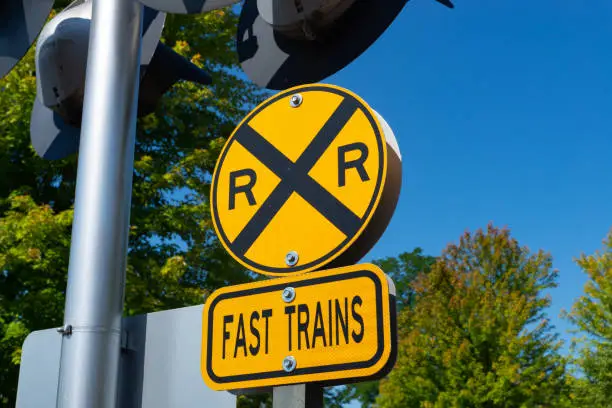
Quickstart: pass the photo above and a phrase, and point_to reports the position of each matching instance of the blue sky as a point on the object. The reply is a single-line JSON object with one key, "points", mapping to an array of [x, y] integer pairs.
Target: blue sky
{"points": [[502, 113]]}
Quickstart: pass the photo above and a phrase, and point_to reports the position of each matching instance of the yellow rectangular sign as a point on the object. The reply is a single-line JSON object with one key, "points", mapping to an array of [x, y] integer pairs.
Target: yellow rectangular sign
{"points": [[333, 326]]}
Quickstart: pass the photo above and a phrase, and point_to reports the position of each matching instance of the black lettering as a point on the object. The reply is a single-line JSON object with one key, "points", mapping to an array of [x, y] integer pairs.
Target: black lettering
{"points": [[266, 314], [357, 317], [289, 310], [254, 349], [246, 189], [302, 326], [240, 337], [330, 330], [356, 164], [226, 334], [319, 328], [342, 321]]}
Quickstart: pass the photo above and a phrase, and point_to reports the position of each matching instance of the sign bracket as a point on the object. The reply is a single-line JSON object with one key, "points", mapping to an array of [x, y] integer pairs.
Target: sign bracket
{"points": [[298, 396]]}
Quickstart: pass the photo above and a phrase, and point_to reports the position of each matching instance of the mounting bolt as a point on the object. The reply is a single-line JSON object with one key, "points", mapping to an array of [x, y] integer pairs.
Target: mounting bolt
{"points": [[289, 364], [288, 294], [65, 330], [292, 258], [296, 100]]}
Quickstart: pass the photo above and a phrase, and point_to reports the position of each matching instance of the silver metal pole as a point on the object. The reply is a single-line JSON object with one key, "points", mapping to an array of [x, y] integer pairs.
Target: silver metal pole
{"points": [[96, 277], [298, 396]]}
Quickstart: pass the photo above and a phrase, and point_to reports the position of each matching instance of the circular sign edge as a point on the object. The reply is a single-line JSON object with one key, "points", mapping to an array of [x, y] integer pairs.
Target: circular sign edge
{"points": [[335, 253]]}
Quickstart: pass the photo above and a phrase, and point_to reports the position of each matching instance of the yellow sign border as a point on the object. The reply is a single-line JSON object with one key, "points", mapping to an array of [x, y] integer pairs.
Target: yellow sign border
{"points": [[346, 244], [376, 368]]}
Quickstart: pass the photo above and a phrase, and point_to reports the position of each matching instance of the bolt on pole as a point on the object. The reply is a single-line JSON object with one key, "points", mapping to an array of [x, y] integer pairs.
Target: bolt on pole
{"points": [[94, 296]]}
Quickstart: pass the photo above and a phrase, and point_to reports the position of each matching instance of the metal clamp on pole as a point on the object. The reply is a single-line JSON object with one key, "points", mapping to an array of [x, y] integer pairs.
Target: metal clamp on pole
{"points": [[94, 297]]}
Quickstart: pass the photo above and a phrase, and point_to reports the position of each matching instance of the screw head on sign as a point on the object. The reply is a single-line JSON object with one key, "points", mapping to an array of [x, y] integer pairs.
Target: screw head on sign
{"points": [[288, 294], [289, 364], [292, 258], [296, 100]]}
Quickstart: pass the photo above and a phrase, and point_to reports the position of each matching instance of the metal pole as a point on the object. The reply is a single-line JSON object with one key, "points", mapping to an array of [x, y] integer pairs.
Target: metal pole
{"points": [[298, 396], [96, 277]]}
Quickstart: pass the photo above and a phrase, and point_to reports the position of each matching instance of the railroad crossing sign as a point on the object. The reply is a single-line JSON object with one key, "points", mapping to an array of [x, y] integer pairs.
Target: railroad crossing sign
{"points": [[308, 179], [333, 326]]}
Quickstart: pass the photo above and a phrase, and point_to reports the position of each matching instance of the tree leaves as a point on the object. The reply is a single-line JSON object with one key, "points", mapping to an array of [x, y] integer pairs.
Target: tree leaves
{"points": [[34, 249], [403, 269], [478, 335], [592, 314]]}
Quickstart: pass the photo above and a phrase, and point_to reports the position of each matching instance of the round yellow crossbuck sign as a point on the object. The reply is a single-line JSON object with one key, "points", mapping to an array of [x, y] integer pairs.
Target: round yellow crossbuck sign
{"points": [[309, 179]]}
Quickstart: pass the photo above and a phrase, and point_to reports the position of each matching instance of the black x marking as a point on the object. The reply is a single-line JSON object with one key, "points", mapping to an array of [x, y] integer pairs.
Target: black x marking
{"points": [[294, 178]]}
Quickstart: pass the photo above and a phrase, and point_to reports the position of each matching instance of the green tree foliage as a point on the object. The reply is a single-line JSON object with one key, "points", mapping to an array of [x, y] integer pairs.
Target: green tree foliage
{"points": [[34, 247], [174, 258], [592, 314], [263, 400], [403, 269], [478, 335]]}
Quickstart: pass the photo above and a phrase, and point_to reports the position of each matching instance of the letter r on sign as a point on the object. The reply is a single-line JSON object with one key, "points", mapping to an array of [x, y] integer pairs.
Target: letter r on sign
{"points": [[246, 189], [357, 164]]}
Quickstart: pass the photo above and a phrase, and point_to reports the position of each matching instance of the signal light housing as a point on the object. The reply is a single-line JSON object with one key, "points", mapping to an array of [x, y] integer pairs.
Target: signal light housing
{"points": [[277, 58], [20, 23], [61, 61]]}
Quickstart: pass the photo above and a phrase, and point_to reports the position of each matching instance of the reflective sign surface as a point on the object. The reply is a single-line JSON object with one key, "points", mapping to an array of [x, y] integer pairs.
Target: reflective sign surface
{"points": [[324, 326], [301, 178]]}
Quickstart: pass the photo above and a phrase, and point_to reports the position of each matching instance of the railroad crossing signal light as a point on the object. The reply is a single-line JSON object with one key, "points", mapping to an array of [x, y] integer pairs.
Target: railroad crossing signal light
{"points": [[20, 23], [286, 43], [283, 43], [61, 60]]}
